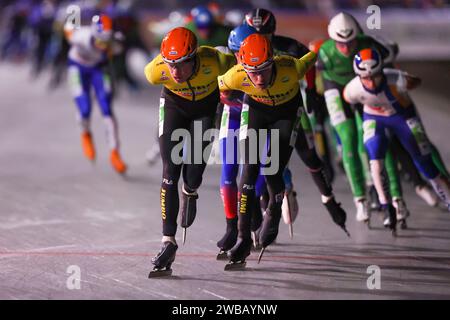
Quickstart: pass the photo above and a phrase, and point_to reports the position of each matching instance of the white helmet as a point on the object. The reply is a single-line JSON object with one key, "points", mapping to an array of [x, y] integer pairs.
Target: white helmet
{"points": [[343, 28]]}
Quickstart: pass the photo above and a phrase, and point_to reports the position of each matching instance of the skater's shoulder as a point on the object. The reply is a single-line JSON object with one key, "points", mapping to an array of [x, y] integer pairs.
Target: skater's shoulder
{"points": [[235, 78], [80, 35], [354, 84], [206, 52], [156, 71], [352, 90]]}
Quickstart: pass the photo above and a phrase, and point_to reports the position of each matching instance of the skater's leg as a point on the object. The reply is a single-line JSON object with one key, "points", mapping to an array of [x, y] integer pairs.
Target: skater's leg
{"points": [[438, 162], [171, 120], [259, 207], [408, 167], [193, 170], [413, 137], [196, 155], [261, 186], [342, 119], [288, 131], [228, 186], [307, 152], [251, 120], [102, 86], [376, 144], [228, 151], [361, 148], [80, 84], [390, 164]]}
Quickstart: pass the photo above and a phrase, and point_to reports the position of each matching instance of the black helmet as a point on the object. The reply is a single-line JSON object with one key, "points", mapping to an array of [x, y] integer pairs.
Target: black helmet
{"points": [[262, 20]]}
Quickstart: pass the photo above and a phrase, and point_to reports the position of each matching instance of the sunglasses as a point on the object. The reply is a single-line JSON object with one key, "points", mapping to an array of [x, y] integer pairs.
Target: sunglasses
{"points": [[259, 71], [180, 64]]}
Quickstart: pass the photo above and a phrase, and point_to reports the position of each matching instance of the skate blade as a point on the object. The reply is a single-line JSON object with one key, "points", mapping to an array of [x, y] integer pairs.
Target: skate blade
{"points": [[233, 266], [122, 174], [367, 222], [160, 273], [291, 231], [254, 240], [346, 231], [184, 235], [256, 247], [222, 256], [261, 254]]}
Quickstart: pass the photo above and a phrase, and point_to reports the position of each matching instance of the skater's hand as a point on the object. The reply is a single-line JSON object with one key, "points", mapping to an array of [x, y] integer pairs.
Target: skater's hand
{"points": [[230, 98]]}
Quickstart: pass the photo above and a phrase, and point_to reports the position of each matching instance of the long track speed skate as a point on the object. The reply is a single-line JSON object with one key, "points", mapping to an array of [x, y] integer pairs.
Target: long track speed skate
{"points": [[238, 254], [163, 261]]}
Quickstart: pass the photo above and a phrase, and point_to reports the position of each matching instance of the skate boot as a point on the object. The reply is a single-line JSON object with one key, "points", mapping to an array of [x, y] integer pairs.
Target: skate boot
{"points": [[362, 211], [255, 239], [289, 210], [117, 162], [337, 213], [238, 254], [269, 230], [228, 240], [163, 260], [188, 209], [441, 185], [428, 195], [256, 222], [373, 196], [402, 212], [255, 225], [329, 170], [390, 218], [88, 146]]}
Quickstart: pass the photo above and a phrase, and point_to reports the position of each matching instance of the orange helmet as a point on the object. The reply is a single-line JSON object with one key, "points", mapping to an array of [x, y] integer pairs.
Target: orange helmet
{"points": [[315, 45], [256, 52], [178, 45]]}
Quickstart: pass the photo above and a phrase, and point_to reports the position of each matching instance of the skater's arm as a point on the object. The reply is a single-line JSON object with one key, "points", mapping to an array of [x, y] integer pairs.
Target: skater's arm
{"points": [[412, 81], [226, 61], [305, 63], [323, 62], [403, 80], [230, 80]]}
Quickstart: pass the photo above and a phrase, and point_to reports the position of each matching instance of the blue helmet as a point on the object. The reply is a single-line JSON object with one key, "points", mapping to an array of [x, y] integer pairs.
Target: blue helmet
{"points": [[196, 10], [203, 18], [238, 34]]}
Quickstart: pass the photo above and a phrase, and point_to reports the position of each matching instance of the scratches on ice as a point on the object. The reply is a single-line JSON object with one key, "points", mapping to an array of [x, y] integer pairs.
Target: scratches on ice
{"points": [[146, 290], [108, 215], [214, 294], [22, 223]]}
